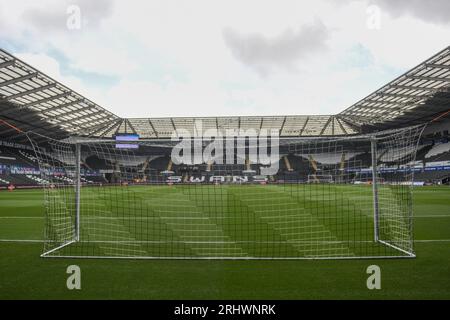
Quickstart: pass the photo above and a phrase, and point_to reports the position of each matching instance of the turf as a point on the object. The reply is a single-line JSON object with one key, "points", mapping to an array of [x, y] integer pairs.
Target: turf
{"points": [[23, 274]]}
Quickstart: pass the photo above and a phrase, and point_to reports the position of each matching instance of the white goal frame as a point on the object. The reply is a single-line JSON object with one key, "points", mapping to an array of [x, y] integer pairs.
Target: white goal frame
{"points": [[404, 246]]}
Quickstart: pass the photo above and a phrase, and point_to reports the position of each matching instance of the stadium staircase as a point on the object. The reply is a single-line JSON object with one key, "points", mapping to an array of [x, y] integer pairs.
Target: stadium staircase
{"points": [[381, 155], [144, 168], [247, 164], [169, 165], [340, 177], [287, 163], [313, 164], [145, 165], [209, 166], [342, 162]]}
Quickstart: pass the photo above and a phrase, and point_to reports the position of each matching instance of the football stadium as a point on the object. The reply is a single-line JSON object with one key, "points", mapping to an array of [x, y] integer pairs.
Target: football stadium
{"points": [[328, 193], [247, 151]]}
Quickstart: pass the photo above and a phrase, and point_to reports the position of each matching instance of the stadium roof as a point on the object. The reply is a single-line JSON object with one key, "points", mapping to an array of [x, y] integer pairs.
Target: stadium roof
{"points": [[32, 101], [417, 96], [288, 126]]}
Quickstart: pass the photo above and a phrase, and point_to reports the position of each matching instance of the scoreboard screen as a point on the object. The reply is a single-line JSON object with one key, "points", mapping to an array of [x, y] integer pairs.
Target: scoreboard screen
{"points": [[127, 137], [125, 141], [126, 146]]}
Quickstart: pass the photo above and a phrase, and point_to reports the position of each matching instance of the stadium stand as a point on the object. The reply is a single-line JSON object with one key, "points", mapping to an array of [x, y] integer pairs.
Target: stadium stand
{"points": [[160, 163], [422, 151], [4, 181], [21, 180], [396, 154], [287, 163], [37, 179], [328, 158], [431, 176], [95, 163], [14, 156], [440, 151], [36, 103]]}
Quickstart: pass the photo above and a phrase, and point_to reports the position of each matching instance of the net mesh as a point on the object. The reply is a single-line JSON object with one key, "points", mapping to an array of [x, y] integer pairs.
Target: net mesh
{"points": [[324, 201]]}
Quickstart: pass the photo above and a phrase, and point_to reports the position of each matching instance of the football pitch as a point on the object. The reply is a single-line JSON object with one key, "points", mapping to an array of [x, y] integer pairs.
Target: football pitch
{"points": [[336, 215]]}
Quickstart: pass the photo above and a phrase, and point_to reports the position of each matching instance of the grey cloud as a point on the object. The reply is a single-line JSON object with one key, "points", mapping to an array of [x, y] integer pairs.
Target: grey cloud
{"points": [[264, 54], [434, 11], [53, 18], [431, 11]]}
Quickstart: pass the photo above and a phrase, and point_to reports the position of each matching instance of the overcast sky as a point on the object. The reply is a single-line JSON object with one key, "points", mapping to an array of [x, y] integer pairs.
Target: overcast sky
{"points": [[206, 58]]}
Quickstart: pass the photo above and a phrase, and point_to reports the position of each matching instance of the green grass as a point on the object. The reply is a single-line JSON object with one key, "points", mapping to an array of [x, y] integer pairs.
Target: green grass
{"points": [[23, 274]]}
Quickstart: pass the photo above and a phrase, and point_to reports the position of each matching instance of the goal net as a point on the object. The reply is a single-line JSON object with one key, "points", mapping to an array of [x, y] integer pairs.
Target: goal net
{"points": [[330, 197]]}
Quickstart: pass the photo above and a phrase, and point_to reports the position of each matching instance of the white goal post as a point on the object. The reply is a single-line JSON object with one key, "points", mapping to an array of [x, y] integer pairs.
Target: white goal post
{"points": [[108, 202]]}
